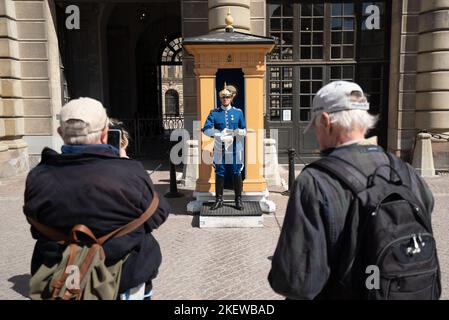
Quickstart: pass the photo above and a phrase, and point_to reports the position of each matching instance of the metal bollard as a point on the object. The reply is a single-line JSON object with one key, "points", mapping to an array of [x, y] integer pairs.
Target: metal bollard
{"points": [[173, 193], [291, 168], [291, 171]]}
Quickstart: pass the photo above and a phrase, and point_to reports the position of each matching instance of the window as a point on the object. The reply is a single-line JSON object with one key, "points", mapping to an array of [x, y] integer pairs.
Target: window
{"points": [[323, 41], [281, 28], [312, 31], [172, 53], [281, 89], [172, 103], [342, 31]]}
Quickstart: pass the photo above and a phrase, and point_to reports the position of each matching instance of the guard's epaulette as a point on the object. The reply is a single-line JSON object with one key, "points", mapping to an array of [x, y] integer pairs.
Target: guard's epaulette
{"points": [[237, 109]]}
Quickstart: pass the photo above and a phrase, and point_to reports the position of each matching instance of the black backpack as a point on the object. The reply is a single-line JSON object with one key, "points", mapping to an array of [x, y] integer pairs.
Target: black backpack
{"points": [[387, 250]]}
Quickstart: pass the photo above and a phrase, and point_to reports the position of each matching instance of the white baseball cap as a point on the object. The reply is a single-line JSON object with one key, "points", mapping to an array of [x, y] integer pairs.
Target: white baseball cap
{"points": [[88, 110], [334, 97]]}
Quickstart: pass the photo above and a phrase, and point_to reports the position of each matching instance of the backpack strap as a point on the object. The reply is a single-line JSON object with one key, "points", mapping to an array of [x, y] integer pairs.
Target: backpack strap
{"points": [[133, 225], [49, 232], [61, 238], [347, 173], [400, 168]]}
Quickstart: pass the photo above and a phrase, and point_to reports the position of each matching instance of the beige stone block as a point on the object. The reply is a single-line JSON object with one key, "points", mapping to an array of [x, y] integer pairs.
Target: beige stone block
{"points": [[258, 27], [189, 86], [195, 9], [438, 120], [31, 30], [9, 68], [37, 107], [407, 82], [30, 10], [3, 147], [429, 5], [34, 69], [401, 139], [15, 144], [14, 127], [409, 43], [11, 88], [257, 9], [410, 24], [190, 105], [11, 108], [435, 20], [408, 63], [7, 8], [35, 89], [407, 100], [9, 48], [8, 28], [411, 6], [2, 128], [38, 126], [14, 162], [432, 81], [434, 41], [406, 119], [33, 50], [241, 17], [432, 100], [433, 61], [231, 3], [194, 28]]}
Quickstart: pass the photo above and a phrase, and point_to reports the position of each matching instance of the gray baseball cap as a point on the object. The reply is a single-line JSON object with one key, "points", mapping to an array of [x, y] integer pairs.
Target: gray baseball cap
{"points": [[88, 110], [335, 97]]}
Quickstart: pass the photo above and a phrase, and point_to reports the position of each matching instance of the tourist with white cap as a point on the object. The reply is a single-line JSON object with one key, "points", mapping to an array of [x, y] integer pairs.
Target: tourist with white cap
{"points": [[88, 189], [326, 243]]}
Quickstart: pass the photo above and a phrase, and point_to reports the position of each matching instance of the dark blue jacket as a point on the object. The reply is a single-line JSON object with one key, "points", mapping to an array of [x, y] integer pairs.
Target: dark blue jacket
{"points": [[104, 192]]}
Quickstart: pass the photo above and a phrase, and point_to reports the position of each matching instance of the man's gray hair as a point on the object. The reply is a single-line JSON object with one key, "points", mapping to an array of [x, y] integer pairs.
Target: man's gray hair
{"points": [[348, 120], [77, 132]]}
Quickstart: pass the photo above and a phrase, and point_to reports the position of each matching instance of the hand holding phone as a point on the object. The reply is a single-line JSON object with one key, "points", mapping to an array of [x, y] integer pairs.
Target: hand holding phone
{"points": [[115, 138]]}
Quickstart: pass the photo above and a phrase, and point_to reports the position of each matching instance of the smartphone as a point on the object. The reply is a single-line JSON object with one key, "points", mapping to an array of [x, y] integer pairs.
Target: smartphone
{"points": [[115, 138]]}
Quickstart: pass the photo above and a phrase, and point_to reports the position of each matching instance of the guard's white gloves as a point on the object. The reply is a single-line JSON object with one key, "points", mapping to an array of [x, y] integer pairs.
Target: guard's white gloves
{"points": [[240, 132]]}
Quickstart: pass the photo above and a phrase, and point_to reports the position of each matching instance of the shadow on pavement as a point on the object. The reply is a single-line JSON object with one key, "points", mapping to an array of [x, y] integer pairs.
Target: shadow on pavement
{"points": [[21, 284]]}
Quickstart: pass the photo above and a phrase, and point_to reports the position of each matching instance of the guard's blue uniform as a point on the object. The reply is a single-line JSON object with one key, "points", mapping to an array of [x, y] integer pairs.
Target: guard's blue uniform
{"points": [[226, 157]]}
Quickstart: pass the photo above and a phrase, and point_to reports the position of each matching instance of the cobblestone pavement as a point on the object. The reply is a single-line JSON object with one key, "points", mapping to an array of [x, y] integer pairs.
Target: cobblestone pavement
{"points": [[197, 263]]}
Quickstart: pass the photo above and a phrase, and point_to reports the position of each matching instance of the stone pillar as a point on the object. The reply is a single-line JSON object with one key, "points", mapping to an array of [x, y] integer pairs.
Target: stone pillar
{"points": [[402, 90], [258, 13], [194, 23], [13, 149], [240, 11], [432, 94], [39, 53]]}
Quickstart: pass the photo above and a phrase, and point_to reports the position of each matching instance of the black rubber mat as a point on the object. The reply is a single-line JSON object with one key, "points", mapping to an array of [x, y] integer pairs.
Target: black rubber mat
{"points": [[250, 208]]}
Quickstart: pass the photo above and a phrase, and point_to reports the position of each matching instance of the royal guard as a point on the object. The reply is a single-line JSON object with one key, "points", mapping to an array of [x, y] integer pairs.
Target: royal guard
{"points": [[226, 124]]}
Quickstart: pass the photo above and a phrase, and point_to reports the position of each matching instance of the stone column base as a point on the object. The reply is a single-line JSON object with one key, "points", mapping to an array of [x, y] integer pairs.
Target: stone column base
{"points": [[423, 156], [271, 164], [13, 158], [190, 172]]}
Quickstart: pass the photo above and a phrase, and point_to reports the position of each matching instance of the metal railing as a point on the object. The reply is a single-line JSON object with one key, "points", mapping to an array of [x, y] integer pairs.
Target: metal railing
{"points": [[149, 136]]}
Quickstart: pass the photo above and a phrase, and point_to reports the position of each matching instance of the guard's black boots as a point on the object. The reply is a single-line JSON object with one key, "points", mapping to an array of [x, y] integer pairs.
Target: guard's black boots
{"points": [[238, 186], [219, 186]]}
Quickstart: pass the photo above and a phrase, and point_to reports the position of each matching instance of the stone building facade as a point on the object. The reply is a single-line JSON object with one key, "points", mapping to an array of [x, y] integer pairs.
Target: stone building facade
{"points": [[115, 56]]}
